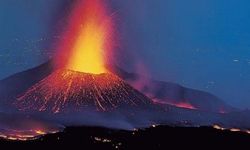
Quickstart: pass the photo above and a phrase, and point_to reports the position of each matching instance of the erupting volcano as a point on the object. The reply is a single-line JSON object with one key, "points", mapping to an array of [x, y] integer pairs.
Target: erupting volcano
{"points": [[83, 82], [87, 41], [80, 86]]}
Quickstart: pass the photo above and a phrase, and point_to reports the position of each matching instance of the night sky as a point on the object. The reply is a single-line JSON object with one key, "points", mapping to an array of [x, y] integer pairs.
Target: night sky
{"points": [[201, 44]]}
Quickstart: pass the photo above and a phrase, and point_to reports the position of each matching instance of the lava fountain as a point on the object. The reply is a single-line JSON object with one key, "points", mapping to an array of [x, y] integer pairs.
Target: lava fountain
{"points": [[83, 82], [87, 41]]}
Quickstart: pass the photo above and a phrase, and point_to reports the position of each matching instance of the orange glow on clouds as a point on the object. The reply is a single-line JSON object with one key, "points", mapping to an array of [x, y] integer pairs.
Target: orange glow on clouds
{"points": [[87, 39]]}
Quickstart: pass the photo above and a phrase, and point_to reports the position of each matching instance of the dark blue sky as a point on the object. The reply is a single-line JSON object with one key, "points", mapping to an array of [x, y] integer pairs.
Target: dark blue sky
{"points": [[202, 44]]}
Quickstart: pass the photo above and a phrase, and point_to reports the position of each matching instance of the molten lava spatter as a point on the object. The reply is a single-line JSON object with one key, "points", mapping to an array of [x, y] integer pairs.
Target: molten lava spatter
{"points": [[67, 91], [87, 38]]}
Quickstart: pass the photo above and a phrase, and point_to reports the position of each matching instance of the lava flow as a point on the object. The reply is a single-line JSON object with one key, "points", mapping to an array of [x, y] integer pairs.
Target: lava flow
{"points": [[218, 127], [23, 135], [65, 89], [180, 104], [183, 105], [88, 39]]}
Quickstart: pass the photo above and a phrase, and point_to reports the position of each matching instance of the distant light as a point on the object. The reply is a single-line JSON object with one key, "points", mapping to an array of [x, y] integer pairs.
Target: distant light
{"points": [[235, 130]]}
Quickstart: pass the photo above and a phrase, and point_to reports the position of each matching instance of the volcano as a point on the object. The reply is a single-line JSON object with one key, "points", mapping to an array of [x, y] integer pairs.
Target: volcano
{"points": [[67, 91], [42, 75], [82, 81]]}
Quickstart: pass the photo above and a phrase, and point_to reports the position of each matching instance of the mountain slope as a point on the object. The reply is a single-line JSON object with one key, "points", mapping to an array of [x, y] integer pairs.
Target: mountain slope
{"points": [[18, 83], [174, 94], [66, 90]]}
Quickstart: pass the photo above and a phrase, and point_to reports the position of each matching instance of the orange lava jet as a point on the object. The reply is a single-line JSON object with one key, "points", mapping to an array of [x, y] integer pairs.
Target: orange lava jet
{"points": [[87, 39]]}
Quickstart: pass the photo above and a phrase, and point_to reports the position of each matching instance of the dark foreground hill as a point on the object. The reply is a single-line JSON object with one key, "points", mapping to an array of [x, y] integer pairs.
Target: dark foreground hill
{"points": [[161, 137]]}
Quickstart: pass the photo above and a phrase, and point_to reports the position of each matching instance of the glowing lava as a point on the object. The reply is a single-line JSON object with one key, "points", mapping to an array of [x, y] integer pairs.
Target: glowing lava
{"points": [[218, 127], [87, 38], [180, 104], [70, 91], [23, 135], [184, 105]]}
